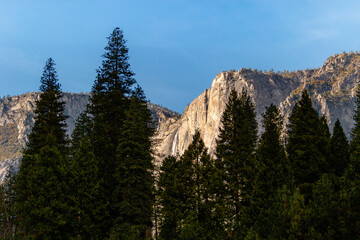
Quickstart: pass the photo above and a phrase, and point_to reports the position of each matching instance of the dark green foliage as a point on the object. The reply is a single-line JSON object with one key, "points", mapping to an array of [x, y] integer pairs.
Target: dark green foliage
{"points": [[170, 198], [288, 215], [339, 147], [108, 105], [8, 215], [274, 169], [119, 125], [49, 113], [47, 214], [88, 204], [324, 221], [235, 152], [83, 128], [187, 197], [325, 142], [351, 192], [271, 153], [307, 145], [42, 186], [133, 194], [325, 127]]}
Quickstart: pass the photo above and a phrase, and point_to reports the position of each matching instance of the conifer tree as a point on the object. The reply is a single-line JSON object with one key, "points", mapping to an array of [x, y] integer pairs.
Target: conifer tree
{"points": [[235, 152], [306, 141], [170, 198], [274, 169], [351, 191], [49, 114], [108, 104], [324, 213], [88, 204], [201, 216], [41, 183], [120, 136], [288, 215], [325, 127], [8, 215], [49, 213], [83, 128], [339, 147], [187, 196], [133, 194], [325, 139]]}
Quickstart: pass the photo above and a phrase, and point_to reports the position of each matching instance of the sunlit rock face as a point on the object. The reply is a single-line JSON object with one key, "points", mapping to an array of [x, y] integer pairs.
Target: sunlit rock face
{"points": [[331, 87]]}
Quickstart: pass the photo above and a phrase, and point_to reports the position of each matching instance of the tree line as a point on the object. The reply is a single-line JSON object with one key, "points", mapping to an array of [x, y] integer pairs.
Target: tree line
{"points": [[100, 183], [300, 185]]}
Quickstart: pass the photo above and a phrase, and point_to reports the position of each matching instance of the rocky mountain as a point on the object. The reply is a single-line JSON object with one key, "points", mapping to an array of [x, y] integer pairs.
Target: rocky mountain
{"points": [[332, 89]]}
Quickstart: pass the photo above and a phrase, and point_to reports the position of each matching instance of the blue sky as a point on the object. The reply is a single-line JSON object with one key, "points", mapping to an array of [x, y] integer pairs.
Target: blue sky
{"points": [[176, 47]]}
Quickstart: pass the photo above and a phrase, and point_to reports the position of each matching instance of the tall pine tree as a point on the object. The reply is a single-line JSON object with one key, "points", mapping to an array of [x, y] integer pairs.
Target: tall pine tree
{"points": [[41, 184], [339, 147], [351, 191], [88, 205], [133, 194], [187, 196], [120, 136], [274, 169], [107, 107], [235, 153], [306, 141]]}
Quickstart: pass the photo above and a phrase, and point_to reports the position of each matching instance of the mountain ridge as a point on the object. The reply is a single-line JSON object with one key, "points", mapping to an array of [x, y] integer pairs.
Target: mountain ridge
{"points": [[332, 88]]}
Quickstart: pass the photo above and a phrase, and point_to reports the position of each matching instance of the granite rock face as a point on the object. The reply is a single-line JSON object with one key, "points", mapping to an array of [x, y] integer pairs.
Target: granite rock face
{"points": [[19, 110], [331, 87]]}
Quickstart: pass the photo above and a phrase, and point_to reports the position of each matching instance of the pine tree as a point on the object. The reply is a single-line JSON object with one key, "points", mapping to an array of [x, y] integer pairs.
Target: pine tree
{"points": [[49, 114], [201, 213], [187, 195], [235, 152], [288, 215], [109, 102], [274, 172], [324, 213], [170, 200], [351, 190], [83, 128], [306, 146], [49, 213], [339, 147], [134, 193], [41, 183], [119, 127], [87, 199], [8, 215]]}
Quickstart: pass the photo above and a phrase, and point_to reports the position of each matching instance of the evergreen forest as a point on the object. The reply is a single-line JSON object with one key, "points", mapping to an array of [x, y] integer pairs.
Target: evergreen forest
{"points": [[291, 181]]}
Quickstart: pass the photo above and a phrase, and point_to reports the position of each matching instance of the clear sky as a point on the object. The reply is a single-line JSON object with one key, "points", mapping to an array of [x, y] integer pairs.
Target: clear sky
{"points": [[176, 47]]}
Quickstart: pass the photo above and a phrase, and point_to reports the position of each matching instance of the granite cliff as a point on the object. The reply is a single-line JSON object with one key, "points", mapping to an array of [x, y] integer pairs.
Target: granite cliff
{"points": [[332, 89]]}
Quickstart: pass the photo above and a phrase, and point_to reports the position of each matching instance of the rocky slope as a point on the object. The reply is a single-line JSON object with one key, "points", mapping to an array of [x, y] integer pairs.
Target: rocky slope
{"points": [[332, 89]]}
